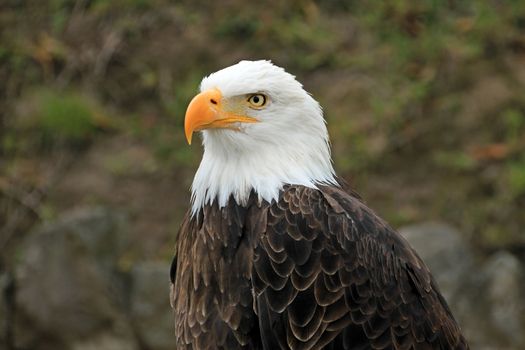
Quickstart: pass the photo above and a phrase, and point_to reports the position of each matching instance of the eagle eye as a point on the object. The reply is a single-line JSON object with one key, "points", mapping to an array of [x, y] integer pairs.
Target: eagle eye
{"points": [[257, 101]]}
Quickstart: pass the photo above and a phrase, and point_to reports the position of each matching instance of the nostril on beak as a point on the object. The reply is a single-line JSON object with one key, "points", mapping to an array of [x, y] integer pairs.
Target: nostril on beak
{"points": [[213, 101]]}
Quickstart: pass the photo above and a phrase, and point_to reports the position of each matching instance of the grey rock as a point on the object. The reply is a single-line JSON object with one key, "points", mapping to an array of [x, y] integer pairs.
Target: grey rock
{"points": [[486, 298], [150, 307], [68, 288], [503, 277], [105, 341], [444, 251], [451, 262], [3, 308], [70, 294]]}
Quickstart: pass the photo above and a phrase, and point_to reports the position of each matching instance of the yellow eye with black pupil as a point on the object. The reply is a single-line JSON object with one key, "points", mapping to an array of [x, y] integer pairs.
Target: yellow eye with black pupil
{"points": [[257, 100]]}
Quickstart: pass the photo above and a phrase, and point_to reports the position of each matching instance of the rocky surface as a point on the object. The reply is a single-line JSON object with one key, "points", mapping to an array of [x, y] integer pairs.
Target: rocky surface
{"points": [[150, 308], [503, 280], [444, 251], [3, 309], [485, 295], [68, 289], [72, 292]]}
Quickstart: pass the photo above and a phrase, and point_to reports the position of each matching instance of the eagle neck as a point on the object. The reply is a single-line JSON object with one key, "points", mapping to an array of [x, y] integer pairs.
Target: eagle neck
{"points": [[225, 173]]}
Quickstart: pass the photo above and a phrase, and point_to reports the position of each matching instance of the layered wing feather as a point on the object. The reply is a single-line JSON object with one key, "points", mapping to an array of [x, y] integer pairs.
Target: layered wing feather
{"points": [[328, 273]]}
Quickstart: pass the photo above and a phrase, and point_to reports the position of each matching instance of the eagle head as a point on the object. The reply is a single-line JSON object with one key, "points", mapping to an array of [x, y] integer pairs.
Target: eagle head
{"points": [[260, 131]]}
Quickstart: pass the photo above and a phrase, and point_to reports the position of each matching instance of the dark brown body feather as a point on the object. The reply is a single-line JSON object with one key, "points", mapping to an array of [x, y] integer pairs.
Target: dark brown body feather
{"points": [[317, 269]]}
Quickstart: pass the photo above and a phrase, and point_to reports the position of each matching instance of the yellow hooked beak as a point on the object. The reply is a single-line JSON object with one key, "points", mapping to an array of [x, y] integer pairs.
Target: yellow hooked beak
{"points": [[206, 111]]}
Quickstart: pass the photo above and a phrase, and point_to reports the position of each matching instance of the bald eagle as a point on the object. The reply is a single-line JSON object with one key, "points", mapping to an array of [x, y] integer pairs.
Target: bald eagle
{"points": [[273, 253]]}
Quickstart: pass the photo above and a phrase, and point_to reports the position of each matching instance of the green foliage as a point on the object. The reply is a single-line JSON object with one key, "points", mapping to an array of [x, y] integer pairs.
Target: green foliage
{"points": [[243, 26], [399, 82], [48, 117], [514, 120], [109, 5], [458, 160], [65, 116], [516, 177], [165, 136]]}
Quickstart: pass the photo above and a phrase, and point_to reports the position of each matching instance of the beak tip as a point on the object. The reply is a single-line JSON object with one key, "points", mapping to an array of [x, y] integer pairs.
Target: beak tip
{"points": [[188, 138], [188, 130]]}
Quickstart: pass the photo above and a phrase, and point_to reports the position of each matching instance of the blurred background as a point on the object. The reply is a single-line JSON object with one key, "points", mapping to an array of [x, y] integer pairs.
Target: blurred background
{"points": [[425, 103]]}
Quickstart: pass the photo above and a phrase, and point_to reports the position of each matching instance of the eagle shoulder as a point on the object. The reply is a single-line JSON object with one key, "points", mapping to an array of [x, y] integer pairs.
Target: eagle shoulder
{"points": [[328, 272]]}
